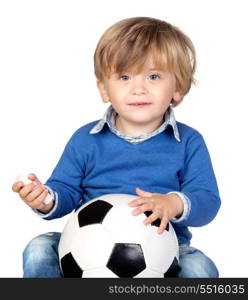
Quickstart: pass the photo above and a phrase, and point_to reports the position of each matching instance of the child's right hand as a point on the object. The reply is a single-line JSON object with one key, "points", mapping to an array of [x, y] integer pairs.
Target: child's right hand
{"points": [[33, 194]]}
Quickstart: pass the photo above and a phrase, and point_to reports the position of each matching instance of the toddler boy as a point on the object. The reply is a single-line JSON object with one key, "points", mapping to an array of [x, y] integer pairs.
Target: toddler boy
{"points": [[144, 67]]}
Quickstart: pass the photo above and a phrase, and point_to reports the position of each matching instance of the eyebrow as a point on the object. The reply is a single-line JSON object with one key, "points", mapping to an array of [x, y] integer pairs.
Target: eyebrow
{"points": [[155, 69], [148, 70]]}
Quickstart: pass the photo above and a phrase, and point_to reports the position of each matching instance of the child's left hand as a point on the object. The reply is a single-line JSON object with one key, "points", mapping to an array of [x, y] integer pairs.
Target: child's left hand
{"points": [[163, 206]]}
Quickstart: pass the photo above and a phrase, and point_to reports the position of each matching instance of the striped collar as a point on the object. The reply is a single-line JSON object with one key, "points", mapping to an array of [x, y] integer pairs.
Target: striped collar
{"points": [[109, 119]]}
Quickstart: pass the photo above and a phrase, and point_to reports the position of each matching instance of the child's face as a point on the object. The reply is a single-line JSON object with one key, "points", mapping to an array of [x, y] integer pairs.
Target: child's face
{"points": [[140, 99]]}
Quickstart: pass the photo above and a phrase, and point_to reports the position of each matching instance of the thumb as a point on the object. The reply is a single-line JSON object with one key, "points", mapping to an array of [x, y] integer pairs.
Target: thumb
{"points": [[142, 193]]}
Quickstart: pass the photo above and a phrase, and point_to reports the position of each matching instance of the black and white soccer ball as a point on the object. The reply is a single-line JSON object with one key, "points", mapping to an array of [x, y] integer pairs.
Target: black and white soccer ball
{"points": [[103, 239]]}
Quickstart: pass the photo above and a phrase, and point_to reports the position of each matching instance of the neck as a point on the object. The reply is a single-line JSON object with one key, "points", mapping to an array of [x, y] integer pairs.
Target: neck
{"points": [[132, 129]]}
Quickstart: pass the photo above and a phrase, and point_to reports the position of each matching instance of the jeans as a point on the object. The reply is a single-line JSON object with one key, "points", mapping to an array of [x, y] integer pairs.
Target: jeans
{"points": [[41, 260]]}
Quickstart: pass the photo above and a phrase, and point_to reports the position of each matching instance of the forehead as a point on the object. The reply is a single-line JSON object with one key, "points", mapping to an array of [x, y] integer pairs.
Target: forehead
{"points": [[150, 64]]}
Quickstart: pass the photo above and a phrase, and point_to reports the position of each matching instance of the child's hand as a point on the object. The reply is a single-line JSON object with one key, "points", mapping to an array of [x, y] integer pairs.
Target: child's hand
{"points": [[163, 206], [33, 194]]}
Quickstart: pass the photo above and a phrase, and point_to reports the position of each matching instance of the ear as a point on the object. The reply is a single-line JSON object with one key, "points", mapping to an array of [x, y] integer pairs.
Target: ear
{"points": [[103, 91], [177, 97]]}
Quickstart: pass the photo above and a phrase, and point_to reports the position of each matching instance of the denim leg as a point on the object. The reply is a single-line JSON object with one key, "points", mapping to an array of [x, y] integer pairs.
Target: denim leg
{"points": [[195, 264], [40, 257]]}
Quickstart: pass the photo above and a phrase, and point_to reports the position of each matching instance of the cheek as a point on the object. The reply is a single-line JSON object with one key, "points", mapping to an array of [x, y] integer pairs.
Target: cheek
{"points": [[164, 95], [117, 94]]}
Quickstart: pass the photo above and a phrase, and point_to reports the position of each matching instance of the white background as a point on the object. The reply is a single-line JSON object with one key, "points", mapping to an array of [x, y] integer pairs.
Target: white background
{"points": [[47, 91]]}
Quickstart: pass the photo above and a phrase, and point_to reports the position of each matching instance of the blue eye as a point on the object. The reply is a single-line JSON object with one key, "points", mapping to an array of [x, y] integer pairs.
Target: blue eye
{"points": [[124, 77], [154, 76]]}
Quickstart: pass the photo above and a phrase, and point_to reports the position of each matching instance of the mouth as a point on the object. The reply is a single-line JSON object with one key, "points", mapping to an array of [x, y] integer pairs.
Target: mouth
{"points": [[139, 104]]}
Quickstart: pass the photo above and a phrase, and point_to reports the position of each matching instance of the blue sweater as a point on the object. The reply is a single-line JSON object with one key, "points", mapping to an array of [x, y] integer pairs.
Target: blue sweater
{"points": [[96, 164]]}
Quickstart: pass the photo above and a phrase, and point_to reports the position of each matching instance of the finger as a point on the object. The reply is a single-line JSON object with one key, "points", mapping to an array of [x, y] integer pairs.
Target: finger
{"points": [[138, 202], [147, 206], [153, 217], [16, 187], [26, 190], [35, 193], [143, 193], [33, 177], [163, 225], [39, 200], [139, 210]]}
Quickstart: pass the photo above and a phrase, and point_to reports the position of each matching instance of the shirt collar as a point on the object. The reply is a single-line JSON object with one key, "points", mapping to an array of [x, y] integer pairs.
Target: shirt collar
{"points": [[109, 119]]}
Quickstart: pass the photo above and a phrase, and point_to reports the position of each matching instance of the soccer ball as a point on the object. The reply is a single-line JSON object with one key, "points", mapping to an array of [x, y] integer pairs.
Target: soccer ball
{"points": [[103, 239]]}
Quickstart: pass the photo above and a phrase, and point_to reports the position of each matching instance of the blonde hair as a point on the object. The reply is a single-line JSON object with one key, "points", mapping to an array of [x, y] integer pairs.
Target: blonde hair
{"points": [[129, 43]]}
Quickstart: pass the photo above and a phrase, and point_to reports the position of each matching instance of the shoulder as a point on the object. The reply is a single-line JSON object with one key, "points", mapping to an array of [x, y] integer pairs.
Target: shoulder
{"points": [[85, 129], [186, 132], [82, 134], [191, 138]]}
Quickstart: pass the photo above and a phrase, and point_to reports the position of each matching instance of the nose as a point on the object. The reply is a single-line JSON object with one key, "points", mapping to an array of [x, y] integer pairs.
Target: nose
{"points": [[138, 87]]}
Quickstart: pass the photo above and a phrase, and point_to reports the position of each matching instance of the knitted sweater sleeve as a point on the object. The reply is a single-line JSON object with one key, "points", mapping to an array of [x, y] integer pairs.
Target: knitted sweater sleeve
{"points": [[66, 179], [198, 183]]}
